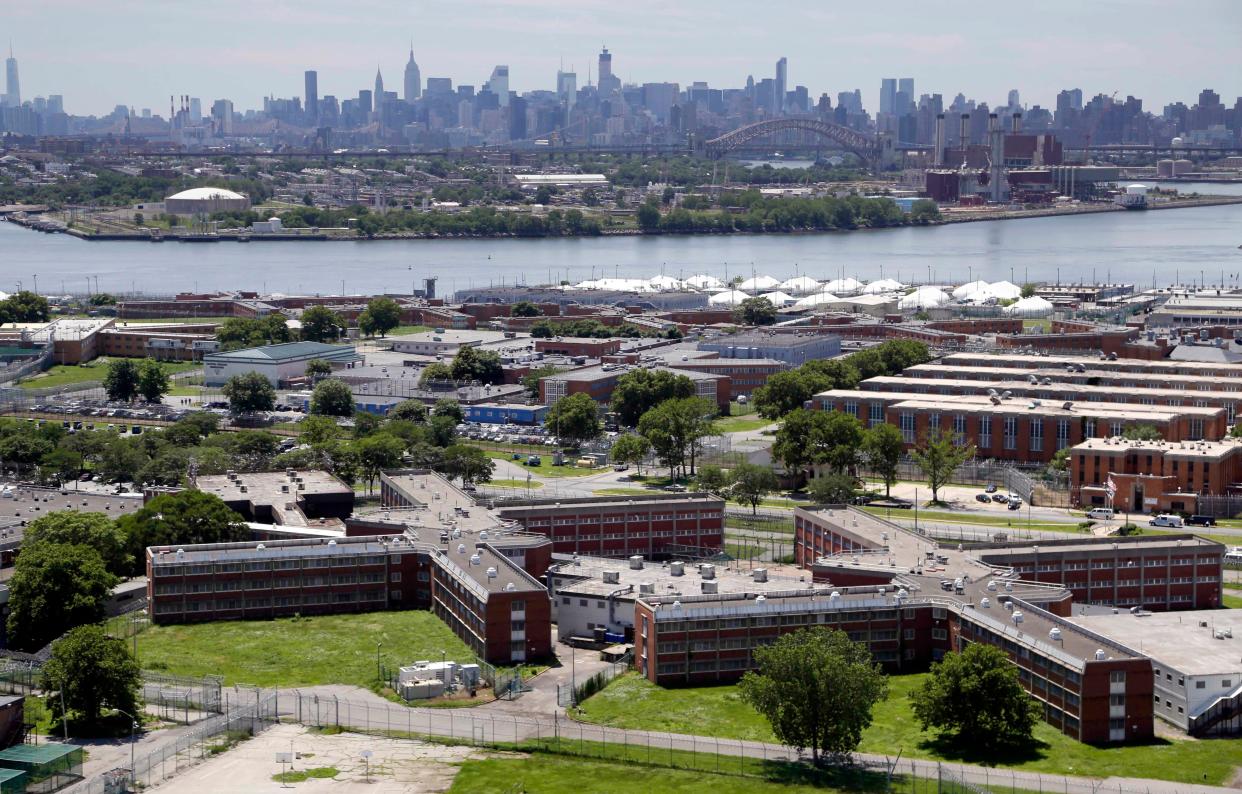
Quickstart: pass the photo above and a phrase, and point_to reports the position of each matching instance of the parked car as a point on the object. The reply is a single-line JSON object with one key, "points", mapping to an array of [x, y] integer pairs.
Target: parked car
{"points": [[982, 497], [1101, 513], [1166, 520], [999, 498], [534, 460], [991, 488], [1015, 503], [675, 488], [1202, 521]]}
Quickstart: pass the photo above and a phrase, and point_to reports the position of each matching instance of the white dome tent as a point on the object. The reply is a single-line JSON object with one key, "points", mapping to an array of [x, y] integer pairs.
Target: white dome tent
{"points": [[759, 283], [665, 283], [778, 299], [1004, 290], [703, 281], [818, 299], [882, 285], [730, 297], [924, 298], [968, 290], [842, 286], [1033, 306], [803, 285]]}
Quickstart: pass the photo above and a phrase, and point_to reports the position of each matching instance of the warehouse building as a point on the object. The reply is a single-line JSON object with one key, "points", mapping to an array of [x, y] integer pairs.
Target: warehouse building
{"points": [[792, 348], [278, 363]]}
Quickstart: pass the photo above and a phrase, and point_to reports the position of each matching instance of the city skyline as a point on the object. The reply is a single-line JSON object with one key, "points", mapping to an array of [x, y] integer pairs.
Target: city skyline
{"points": [[972, 51]]}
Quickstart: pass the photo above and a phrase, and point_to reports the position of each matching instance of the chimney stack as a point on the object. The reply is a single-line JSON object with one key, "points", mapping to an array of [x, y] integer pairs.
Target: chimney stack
{"points": [[1016, 123], [938, 155], [965, 133]]}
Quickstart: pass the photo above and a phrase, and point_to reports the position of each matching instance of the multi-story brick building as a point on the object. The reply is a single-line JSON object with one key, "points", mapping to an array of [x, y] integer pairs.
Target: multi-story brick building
{"points": [[599, 382], [1153, 476], [744, 374], [1146, 369]]}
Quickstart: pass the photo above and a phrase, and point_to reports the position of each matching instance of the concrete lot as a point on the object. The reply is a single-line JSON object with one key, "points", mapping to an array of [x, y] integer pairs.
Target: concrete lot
{"points": [[396, 767]]}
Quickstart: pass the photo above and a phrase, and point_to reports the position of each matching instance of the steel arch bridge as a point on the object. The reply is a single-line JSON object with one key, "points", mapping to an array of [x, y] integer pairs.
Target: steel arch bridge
{"points": [[869, 148]]}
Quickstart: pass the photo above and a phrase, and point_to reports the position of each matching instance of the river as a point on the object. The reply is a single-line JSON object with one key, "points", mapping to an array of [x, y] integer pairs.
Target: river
{"points": [[1142, 247]]}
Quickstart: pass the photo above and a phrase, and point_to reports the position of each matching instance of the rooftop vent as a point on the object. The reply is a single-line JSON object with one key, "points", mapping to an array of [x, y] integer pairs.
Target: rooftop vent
{"points": [[1054, 634], [1017, 617], [612, 577], [1100, 655], [676, 568], [491, 572], [710, 588], [759, 574], [636, 562], [475, 559]]}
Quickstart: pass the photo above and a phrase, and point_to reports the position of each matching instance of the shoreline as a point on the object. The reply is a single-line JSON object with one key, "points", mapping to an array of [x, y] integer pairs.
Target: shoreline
{"points": [[242, 236]]}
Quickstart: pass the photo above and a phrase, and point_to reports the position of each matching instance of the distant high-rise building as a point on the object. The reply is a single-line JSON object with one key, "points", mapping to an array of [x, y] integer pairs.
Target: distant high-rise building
{"points": [[782, 82], [56, 104], [499, 84], [378, 97], [888, 95], [905, 85], [1014, 100], [517, 119], [311, 99], [196, 110], [609, 83], [567, 88], [222, 115], [413, 80], [12, 86], [364, 102]]}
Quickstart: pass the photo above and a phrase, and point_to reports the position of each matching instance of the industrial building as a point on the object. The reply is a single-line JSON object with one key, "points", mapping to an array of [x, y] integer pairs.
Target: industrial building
{"points": [[205, 201], [289, 498], [278, 363], [794, 349], [1153, 476], [599, 382]]}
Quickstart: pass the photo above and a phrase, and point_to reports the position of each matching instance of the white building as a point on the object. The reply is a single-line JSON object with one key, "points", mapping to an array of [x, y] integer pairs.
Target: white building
{"points": [[277, 363]]}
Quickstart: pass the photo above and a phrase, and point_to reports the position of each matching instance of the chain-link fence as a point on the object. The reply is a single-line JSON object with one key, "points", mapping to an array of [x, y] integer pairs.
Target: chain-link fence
{"points": [[568, 695]]}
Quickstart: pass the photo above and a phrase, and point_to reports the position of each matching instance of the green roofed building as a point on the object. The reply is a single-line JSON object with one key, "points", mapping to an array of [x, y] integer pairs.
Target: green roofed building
{"points": [[277, 363], [47, 767], [12, 781]]}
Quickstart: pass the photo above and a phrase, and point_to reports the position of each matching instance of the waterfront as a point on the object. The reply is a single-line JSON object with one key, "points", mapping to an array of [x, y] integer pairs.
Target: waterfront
{"points": [[1143, 247]]}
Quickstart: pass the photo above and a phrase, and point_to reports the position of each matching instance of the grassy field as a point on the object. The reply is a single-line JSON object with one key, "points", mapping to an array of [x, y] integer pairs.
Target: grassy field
{"points": [[622, 492], [742, 424], [633, 702], [69, 374], [1232, 601], [514, 484], [547, 471], [328, 649], [1228, 540], [554, 774]]}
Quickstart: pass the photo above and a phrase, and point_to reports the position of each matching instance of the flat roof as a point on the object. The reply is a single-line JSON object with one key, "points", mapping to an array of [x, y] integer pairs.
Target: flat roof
{"points": [[1015, 385], [1026, 405], [1175, 639], [287, 351], [1120, 445], [1132, 364], [607, 371], [585, 576], [1144, 380], [453, 336]]}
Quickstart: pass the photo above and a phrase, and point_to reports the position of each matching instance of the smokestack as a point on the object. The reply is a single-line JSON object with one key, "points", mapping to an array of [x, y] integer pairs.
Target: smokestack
{"points": [[938, 156], [965, 133], [1016, 123], [996, 139]]}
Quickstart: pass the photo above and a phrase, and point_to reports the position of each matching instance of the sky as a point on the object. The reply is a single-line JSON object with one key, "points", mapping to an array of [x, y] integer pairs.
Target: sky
{"points": [[138, 53]]}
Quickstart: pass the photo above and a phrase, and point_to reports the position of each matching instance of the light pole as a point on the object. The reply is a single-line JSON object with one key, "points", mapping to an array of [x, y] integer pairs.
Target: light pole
{"points": [[133, 728], [379, 674]]}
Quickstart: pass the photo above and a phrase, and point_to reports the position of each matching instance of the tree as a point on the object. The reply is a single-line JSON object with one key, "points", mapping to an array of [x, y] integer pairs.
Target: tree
{"points": [[711, 479], [832, 489], [531, 379], [385, 315], [468, 462], [55, 587], [332, 397], [924, 211], [638, 391], [755, 311], [319, 430], [816, 688], [976, 696], [449, 408], [435, 372], [1028, 290], [675, 429], [1141, 433], [481, 365], [60, 465], [839, 372], [153, 381], [751, 482], [71, 528], [938, 457], [122, 459], [377, 452], [179, 519], [318, 368], [408, 411], [28, 307], [818, 438], [24, 450], [574, 419], [92, 672], [883, 448], [788, 391], [525, 309], [249, 392], [1060, 460], [630, 450], [320, 324], [121, 380], [648, 217], [239, 332]]}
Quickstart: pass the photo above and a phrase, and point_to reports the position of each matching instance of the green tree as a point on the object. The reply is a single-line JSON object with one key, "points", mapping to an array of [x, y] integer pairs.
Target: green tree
{"points": [[531, 379], [385, 314], [248, 393], [24, 450], [711, 478], [378, 452], [332, 397], [648, 217], [976, 697], [750, 482], [755, 311], [676, 428], [468, 462], [525, 309], [318, 368], [832, 489], [28, 307], [924, 211], [240, 332], [1060, 460], [153, 381], [481, 365], [54, 588], [92, 672], [1141, 433], [435, 372], [320, 324], [1028, 290], [179, 519], [638, 391], [574, 419], [122, 459], [938, 457], [60, 465], [816, 689], [630, 450], [71, 528], [408, 411], [818, 438], [883, 449], [449, 408], [319, 430], [121, 380], [788, 391]]}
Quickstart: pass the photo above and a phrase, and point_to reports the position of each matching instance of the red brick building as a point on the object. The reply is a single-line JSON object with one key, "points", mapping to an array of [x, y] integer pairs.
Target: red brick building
{"points": [[1154, 477]]}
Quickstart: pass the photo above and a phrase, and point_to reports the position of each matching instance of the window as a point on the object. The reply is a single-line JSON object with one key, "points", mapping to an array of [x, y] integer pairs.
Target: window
{"points": [[933, 422], [985, 432], [1117, 677], [907, 427], [959, 424], [851, 408], [877, 413], [1201, 685], [1011, 432], [1088, 428], [395, 577], [1063, 430], [1226, 683], [1116, 700], [582, 602], [1037, 435], [518, 606]]}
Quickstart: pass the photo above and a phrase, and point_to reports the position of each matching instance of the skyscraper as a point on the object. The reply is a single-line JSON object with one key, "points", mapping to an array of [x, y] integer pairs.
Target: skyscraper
{"points": [[12, 86], [608, 82], [888, 95], [413, 80], [378, 97], [782, 80], [905, 85], [1014, 100], [311, 100], [499, 84], [566, 87]]}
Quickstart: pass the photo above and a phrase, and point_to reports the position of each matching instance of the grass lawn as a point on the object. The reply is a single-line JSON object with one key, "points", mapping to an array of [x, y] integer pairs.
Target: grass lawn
{"points": [[622, 492], [327, 649], [514, 483], [546, 773], [979, 519], [402, 330], [1231, 601], [633, 702], [547, 471], [741, 424], [69, 374]]}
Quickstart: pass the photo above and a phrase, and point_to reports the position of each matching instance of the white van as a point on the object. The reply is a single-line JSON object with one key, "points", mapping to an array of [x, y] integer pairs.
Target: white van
{"points": [[1166, 520], [1101, 513]]}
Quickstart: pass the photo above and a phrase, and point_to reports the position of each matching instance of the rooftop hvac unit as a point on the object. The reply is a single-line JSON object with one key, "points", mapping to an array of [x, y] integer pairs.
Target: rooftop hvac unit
{"points": [[491, 572], [1054, 634], [759, 574], [476, 559], [985, 603], [1067, 405], [646, 588], [676, 568], [510, 587], [1017, 617], [284, 488], [707, 571], [612, 577], [636, 562], [710, 588], [1100, 655]]}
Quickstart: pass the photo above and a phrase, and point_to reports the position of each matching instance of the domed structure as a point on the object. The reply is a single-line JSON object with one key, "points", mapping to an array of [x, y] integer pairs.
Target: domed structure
{"points": [[205, 201]]}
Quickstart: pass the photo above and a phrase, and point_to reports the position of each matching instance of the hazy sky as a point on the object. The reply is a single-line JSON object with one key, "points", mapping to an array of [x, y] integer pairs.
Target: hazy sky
{"points": [[99, 54]]}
